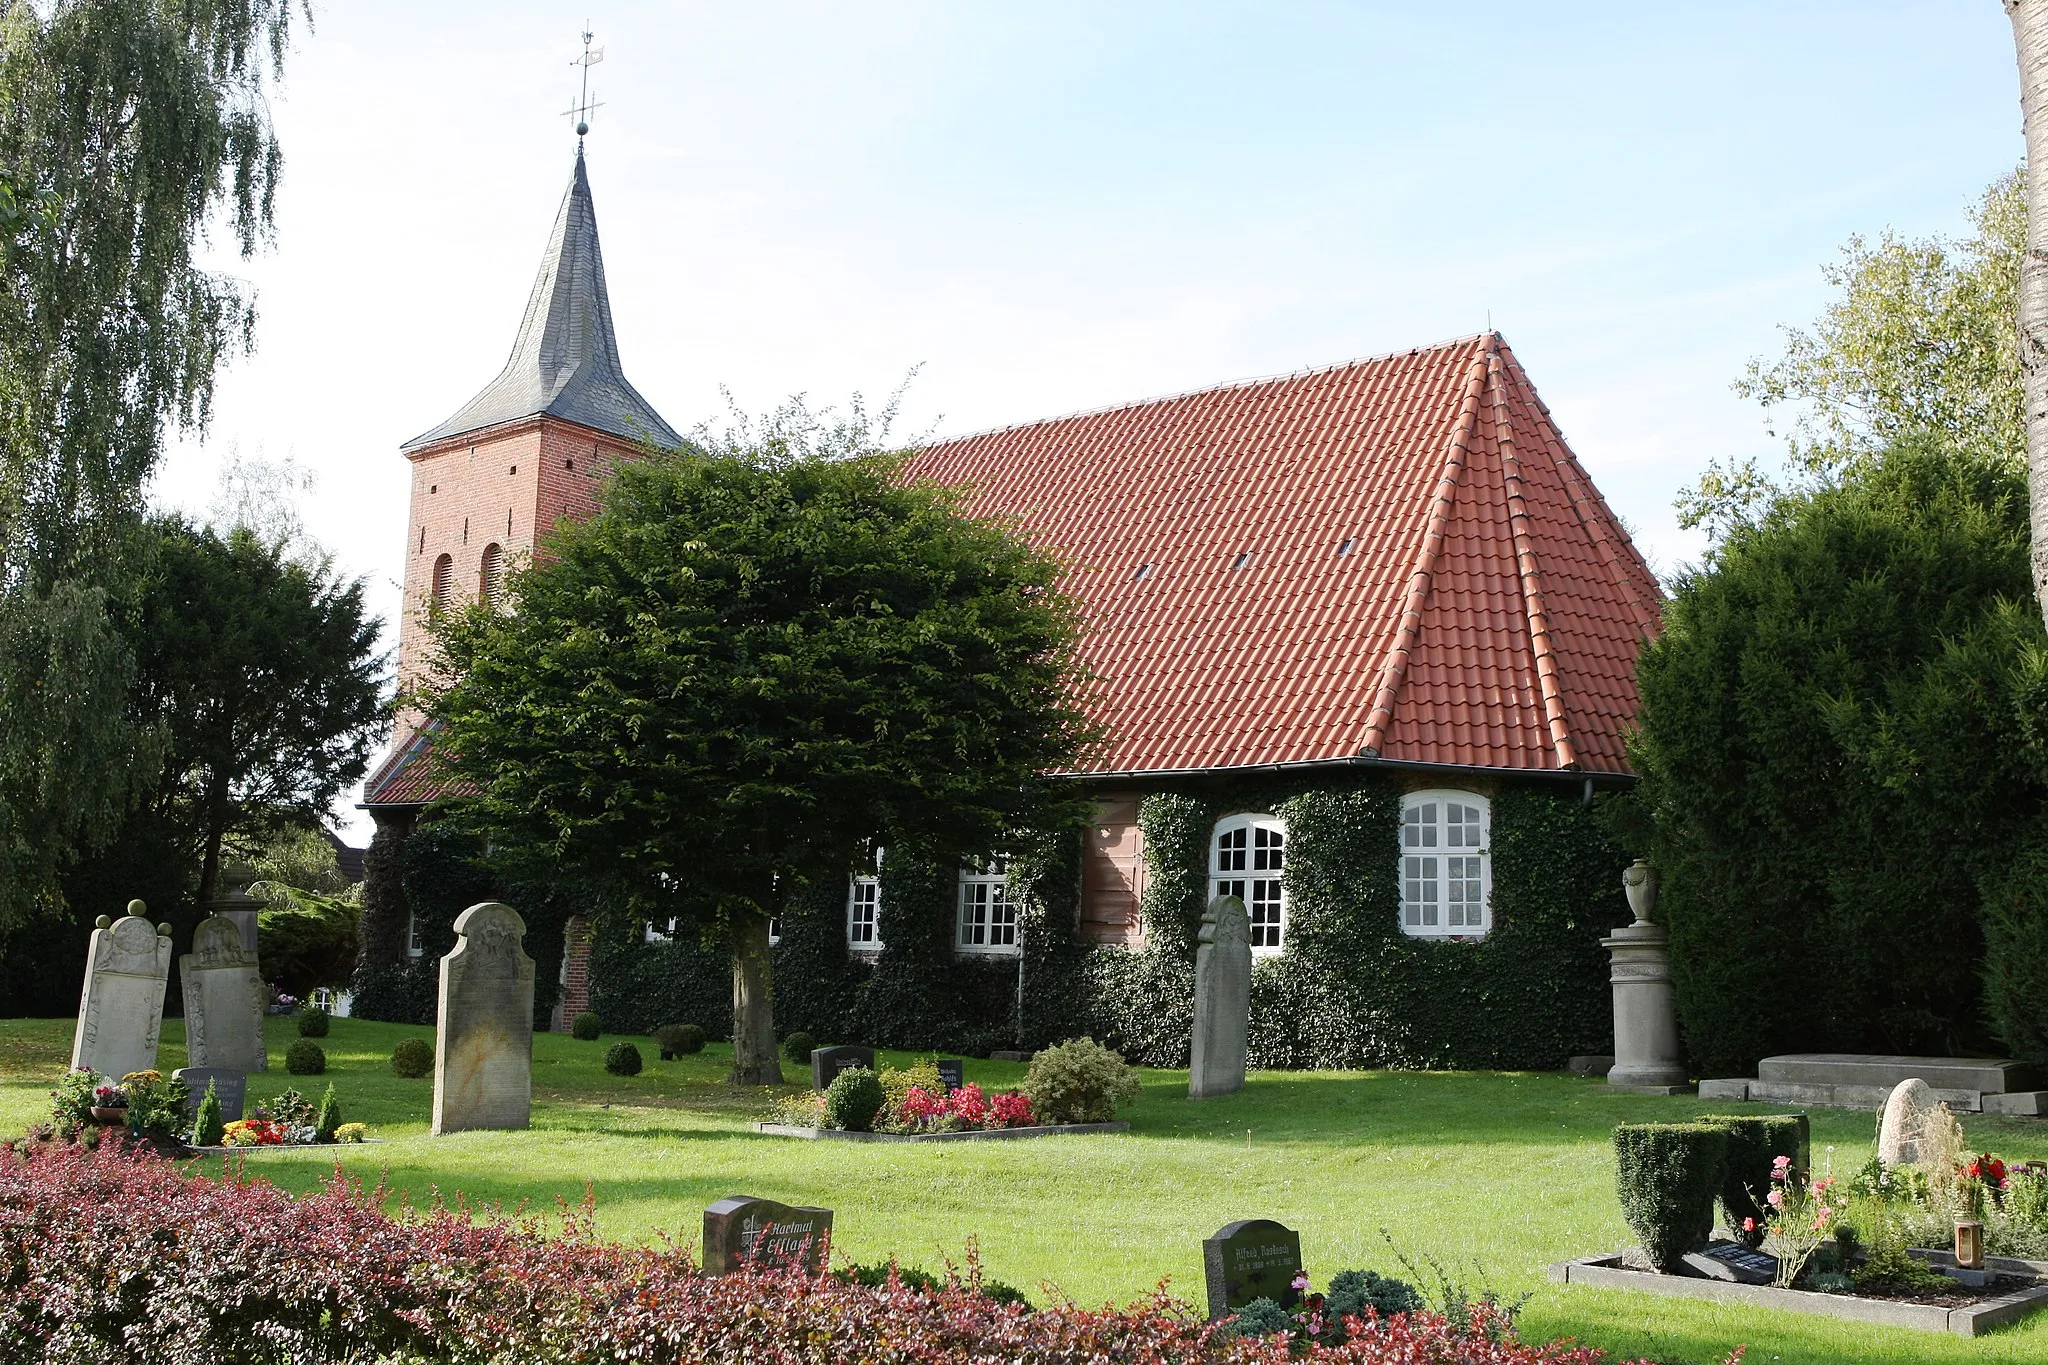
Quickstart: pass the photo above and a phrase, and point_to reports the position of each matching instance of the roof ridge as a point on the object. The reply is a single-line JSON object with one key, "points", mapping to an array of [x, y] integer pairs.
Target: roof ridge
{"points": [[1528, 572], [1394, 670]]}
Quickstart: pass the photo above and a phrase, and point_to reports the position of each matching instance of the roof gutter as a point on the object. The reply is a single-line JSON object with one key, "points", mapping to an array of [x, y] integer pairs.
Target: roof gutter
{"points": [[1585, 779]]}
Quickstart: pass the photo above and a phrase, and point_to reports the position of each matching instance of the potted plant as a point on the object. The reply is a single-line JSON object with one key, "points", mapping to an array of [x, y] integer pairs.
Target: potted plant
{"points": [[109, 1104]]}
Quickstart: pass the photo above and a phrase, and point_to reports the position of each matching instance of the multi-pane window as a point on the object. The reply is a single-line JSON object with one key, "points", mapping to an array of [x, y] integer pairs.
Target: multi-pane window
{"points": [[988, 917], [863, 914], [1446, 871], [657, 933], [1247, 860], [414, 946]]}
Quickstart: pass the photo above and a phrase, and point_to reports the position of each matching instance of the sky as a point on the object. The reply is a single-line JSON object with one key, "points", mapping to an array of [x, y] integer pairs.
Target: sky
{"points": [[1050, 207]]}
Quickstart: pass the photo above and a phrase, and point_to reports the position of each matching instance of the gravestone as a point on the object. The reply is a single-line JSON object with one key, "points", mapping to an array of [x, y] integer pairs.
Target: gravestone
{"points": [[483, 1058], [230, 1087], [827, 1062], [223, 999], [1732, 1263], [1900, 1137], [1223, 999], [121, 1011], [952, 1071], [1254, 1259], [740, 1230]]}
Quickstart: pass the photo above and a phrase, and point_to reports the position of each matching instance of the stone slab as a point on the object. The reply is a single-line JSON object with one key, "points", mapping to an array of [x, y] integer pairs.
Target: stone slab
{"points": [[971, 1135], [230, 1086], [224, 999], [1010, 1055], [1980, 1074], [828, 1062], [742, 1230], [1649, 1089], [1597, 1066], [1255, 1258], [483, 1054], [2031, 1103], [1871, 1097], [1733, 1263], [1223, 995]]}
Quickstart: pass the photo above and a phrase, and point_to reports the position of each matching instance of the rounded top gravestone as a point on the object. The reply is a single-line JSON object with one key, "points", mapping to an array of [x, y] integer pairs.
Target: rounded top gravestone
{"points": [[1902, 1136]]}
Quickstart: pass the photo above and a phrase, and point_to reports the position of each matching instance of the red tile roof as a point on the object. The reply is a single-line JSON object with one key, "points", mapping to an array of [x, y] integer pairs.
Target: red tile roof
{"points": [[1396, 558]]}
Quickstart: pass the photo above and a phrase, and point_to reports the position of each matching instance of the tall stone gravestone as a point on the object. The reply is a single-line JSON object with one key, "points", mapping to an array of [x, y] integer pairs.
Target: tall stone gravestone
{"points": [[742, 1230], [1223, 999], [827, 1062], [1254, 1259], [121, 1012], [223, 999], [483, 1060]]}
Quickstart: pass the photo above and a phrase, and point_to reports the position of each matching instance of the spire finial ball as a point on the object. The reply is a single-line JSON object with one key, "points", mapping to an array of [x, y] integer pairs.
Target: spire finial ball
{"points": [[137, 908], [582, 128]]}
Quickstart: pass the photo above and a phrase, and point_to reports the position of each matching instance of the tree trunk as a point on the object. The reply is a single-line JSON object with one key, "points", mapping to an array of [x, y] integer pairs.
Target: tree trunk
{"points": [[754, 1059], [2030, 40], [209, 865]]}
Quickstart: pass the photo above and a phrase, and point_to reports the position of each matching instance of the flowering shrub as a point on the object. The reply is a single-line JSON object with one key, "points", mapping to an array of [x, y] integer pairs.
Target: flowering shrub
{"points": [[1803, 1215], [109, 1097], [253, 1133], [352, 1132], [105, 1257], [934, 1110]]}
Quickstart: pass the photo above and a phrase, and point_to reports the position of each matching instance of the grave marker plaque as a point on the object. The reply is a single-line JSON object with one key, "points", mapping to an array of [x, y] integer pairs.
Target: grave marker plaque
{"points": [[1253, 1259], [742, 1230], [230, 1085], [827, 1062], [952, 1071], [1732, 1263]]}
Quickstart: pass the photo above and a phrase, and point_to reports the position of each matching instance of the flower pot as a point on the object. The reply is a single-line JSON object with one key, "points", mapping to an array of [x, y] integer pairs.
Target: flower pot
{"points": [[109, 1114]]}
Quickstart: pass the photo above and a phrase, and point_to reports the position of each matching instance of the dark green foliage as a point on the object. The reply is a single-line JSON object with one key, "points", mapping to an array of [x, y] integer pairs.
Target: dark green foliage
{"points": [[679, 1040], [1667, 1176], [1259, 1318], [305, 1058], [875, 1274], [1753, 1141], [853, 1099], [798, 1046], [1834, 749], [1079, 1081], [2016, 950], [305, 940], [586, 1027], [412, 1058], [1353, 1291], [330, 1117], [622, 1059], [407, 993], [921, 995], [208, 1126], [314, 1022]]}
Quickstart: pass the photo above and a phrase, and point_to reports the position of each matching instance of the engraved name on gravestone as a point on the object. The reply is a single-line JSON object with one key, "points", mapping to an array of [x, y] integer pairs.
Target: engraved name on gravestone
{"points": [[1223, 999], [952, 1071], [1732, 1263], [483, 1061], [827, 1062], [741, 1229], [223, 999], [230, 1087], [1253, 1259], [121, 1010]]}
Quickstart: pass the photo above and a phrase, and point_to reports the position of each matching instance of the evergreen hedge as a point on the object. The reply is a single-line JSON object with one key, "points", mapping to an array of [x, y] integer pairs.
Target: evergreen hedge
{"points": [[1754, 1142], [1667, 1176]]}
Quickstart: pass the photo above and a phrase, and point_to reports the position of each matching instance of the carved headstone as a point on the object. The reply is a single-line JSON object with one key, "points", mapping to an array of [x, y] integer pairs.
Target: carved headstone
{"points": [[1223, 999], [1254, 1259], [230, 1087], [121, 1011], [742, 1230], [483, 1058], [952, 1071], [827, 1062], [223, 999], [1902, 1135]]}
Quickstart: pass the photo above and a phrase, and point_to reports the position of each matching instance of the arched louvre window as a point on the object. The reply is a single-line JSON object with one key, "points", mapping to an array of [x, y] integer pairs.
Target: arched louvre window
{"points": [[1446, 864], [444, 579], [1246, 860], [491, 580]]}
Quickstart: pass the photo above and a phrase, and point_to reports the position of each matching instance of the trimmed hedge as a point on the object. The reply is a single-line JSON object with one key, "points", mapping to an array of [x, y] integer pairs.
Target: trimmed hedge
{"points": [[853, 1099], [314, 1023], [1667, 1176], [2016, 950], [1753, 1141], [622, 1059], [412, 1058], [798, 1046], [586, 1027], [305, 1058]]}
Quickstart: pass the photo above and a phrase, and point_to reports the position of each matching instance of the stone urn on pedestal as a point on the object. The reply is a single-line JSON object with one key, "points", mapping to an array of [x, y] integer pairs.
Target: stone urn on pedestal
{"points": [[1647, 1059]]}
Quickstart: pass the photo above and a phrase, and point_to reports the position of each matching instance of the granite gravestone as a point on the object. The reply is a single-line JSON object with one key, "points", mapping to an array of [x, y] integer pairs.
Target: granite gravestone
{"points": [[121, 1011], [223, 999], [827, 1062], [483, 1061], [952, 1071], [1223, 999], [1903, 1132], [740, 1230], [1732, 1263], [230, 1087], [1254, 1259]]}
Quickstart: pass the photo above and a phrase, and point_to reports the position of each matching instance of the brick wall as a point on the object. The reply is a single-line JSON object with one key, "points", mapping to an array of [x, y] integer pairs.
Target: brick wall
{"points": [[575, 973]]}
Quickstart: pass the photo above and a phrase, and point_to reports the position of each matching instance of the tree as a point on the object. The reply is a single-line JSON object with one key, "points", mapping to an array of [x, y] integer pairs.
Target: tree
{"points": [[2030, 40], [747, 673]]}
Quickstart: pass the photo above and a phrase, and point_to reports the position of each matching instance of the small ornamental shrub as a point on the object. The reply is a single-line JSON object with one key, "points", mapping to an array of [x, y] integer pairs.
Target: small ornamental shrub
{"points": [[207, 1124], [1260, 1318], [314, 1023], [352, 1132], [1753, 1140], [679, 1040], [798, 1109], [291, 1109], [412, 1058], [622, 1059], [797, 1047], [853, 1099], [329, 1118], [1667, 1176], [305, 1058], [1080, 1081], [1352, 1292], [586, 1027]]}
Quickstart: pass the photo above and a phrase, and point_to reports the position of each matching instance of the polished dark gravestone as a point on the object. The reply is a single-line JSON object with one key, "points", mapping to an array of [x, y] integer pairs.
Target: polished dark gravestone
{"points": [[229, 1085], [741, 1230], [827, 1062], [952, 1071], [1732, 1263], [1254, 1259]]}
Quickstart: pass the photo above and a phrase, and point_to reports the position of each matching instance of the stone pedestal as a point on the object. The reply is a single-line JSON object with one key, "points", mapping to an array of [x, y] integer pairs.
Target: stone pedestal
{"points": [[483, 1063], [1647, 1056], [121, 1010], [1223, 996], [232, 902]]}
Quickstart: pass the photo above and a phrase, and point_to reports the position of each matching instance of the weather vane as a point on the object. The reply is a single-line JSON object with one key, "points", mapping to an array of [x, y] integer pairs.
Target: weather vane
{"points": [[584, 104]]}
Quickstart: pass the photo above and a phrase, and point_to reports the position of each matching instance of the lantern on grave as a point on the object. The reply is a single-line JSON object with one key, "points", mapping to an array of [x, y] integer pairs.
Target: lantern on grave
{"points": [[1969, 1244]]}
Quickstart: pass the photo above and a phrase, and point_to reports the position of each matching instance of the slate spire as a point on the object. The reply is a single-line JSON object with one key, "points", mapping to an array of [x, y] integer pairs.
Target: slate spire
{"points": [[565, 363]]}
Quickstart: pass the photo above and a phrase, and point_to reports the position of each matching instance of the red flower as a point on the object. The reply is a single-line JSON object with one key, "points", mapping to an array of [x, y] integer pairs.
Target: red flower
{"points": [[1012, 1110]]}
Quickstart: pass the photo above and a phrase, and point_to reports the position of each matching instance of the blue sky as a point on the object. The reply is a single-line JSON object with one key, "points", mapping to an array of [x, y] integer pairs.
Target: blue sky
{"points": [[1057, 206]]}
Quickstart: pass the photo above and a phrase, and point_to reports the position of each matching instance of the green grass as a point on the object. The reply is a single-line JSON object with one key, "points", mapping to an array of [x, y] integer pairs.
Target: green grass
{"points": [[1505, 1171]]}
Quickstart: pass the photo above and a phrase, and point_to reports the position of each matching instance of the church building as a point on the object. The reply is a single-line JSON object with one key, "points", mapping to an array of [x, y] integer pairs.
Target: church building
{"points": [[1367, 639]]}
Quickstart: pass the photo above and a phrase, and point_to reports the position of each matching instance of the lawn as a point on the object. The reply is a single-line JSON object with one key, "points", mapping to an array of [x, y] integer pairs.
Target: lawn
{"points": [[1493, 1173]]}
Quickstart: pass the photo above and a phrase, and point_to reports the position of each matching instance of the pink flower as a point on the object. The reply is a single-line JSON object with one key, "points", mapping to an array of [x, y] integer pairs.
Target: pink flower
{"points": [[968, 1105], [1011, 1110], [1301, 1281], [1777, 1198], [1749, 1225]]}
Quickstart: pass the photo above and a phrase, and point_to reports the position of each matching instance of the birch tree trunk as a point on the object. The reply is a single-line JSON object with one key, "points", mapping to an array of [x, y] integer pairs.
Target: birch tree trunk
{"points": [[2030, 40]]}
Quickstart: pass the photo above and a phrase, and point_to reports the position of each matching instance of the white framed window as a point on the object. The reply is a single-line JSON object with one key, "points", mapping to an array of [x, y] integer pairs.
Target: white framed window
{"points": [[774, 930], [987, 921], [863, 914], [1446, 864], [657, 933], [414, 945], [1247, 859]]}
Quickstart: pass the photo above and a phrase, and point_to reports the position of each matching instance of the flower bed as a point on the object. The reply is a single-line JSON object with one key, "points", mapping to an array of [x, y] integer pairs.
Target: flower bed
{"points": [[960, 1135]]}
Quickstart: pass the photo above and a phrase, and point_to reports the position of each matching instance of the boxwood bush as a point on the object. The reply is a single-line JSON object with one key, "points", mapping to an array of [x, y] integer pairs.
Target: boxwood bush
{"points": [[586, 1027], [1667, 1176], [622, 1059], [412, 1058], [797, 1047], [305, 1058], [314, 1022], [853, 1099]]}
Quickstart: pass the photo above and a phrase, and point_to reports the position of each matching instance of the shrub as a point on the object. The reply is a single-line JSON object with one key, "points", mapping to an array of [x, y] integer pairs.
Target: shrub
{"points": [[1753, 1140], [314, 1023], [412, 1058], [1667, 1175], [586, 1027], [2016, 951], [329, 1119], [305, 1058], [1079, 1081], [208, 1125], [1352, 1292], [679, 1040], [622, 1059], [797, 1047], [1260, 1318], [853, 1099]]}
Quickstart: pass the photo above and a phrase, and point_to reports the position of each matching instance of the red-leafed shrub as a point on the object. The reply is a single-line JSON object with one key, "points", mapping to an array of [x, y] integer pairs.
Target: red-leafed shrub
{"points": [[107, 1257]]}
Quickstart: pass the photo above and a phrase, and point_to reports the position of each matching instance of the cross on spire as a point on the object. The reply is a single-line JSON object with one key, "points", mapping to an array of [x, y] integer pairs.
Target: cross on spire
{"points": [[584, 105]]}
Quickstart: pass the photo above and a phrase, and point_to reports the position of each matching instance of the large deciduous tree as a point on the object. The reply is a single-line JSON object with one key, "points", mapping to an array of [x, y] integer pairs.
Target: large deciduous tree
{"points": [[2030, 41], [750, 671]]}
